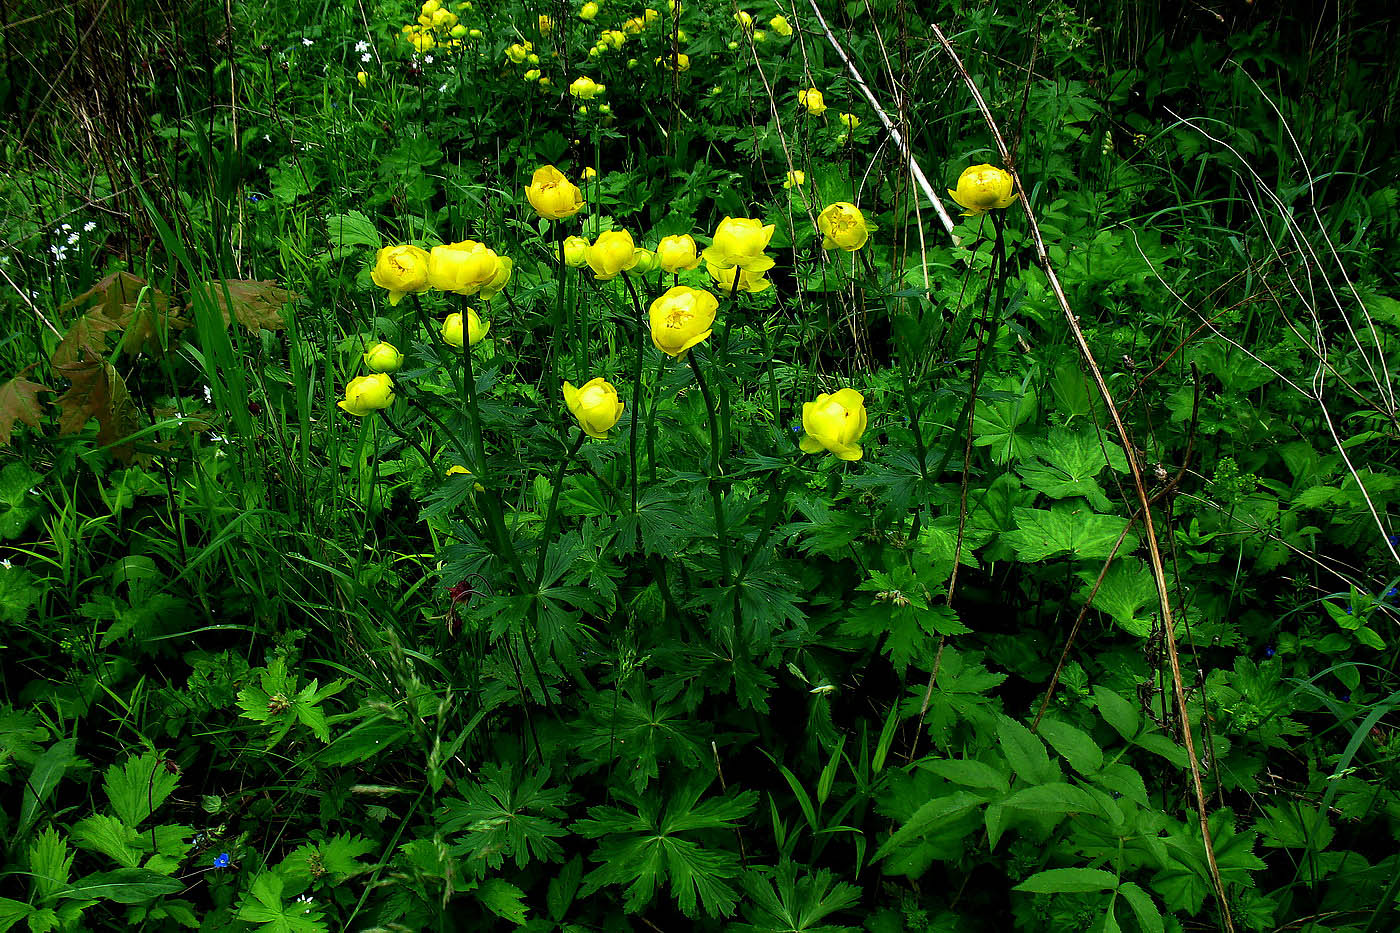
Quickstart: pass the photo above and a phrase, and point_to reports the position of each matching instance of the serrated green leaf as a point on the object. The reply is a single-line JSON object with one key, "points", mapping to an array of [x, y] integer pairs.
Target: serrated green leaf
{"points": [[1126, 591], [1148, 916], [124, 886], [110, 836], [928, 818], [1024, 751], [1117, 712], [1068, 881], [137, 786], [503, 899], [1074, 532], [968, 772], [1074, 745]]}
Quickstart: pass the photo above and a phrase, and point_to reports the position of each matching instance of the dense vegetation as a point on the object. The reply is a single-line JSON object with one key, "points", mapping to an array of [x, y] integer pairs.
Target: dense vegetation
{"points": [[490, 465]]}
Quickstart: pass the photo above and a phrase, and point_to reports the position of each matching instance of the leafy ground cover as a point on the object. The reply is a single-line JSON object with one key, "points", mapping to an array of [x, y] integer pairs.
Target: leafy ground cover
{"points": [[826, 467]]}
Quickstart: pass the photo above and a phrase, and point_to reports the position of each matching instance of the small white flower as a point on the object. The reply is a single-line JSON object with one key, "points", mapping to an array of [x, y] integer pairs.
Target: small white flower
{"points": [[366, 58], [443, 89], [73, 238], [67, 227], [6, 563], [427, 59], [267, 138], [90, 226], [217, 438], [208, 396], [307, 42], [361, 46], [33, 490], [59, 251]]}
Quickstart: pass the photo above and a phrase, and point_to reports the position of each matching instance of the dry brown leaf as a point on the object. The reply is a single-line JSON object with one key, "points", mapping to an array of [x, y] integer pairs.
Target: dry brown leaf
{"points": [[257, 305], [86, 339], [19, 401], [98, 391], [146, 328]]}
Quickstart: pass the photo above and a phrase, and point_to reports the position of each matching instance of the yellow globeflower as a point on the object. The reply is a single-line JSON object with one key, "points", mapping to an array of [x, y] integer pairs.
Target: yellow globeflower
{"points": [[461, 267], [760, 36], [795, 179], [588, 11], [363, 78], [586, 88], [365, 394], [613, 38], [576, 251], [504, 267], [679, 62], [744, 20], [546, 24], [849, 120], [423, 42], [552, 195], [400, 269], [681, 318], [984, 187], [518, 52], [613, 252], [474, 33], [835, 422], [634, 25], [383, 358], [459, 31], [779, 24], [675, 253], [813, 100], [452, 329], [650, 16], [531, 76], [723, 276], [740, 241], [431, 7], [843, 225], [595, 405]]}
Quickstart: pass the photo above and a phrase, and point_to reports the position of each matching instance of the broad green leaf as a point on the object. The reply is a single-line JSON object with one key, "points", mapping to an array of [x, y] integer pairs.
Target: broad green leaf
{"points": [[1065, 529], [12, 912], [928, 818], [1068, 463], [503, 899], [1024, 752], [1126, 591], [124, 886], [110, 836], [44, 777], [352, 232], [999, 422], [1117, 712], [1148, 916], [1073, 745], [1052, 799], [137, 786], [968, 772], [1068, 881]]}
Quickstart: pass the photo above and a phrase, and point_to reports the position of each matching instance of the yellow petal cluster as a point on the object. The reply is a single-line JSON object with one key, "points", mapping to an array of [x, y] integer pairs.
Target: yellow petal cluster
{"points": [[552, 195], [835, 422], [984, 187], [681, 318], [595, 404], [452, 329], [813, 100], [740, 241], [365, 394], [779, 24], [675, 253], [843, 226], [576, 251], [588, 11], [613, 252], [585, 88], [400, 270], [383, 358], [461, 267], [725, 279]]}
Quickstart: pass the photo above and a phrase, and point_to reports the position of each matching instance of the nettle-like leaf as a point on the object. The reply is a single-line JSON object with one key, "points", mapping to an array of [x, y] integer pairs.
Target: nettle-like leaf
{"points": [[19, 401], [785, 903], [645, 847], [263, 904], [1185, 881], [1068, 463], [335, 859], [137, 786], [280, 704], [503, 816], [902, 608], [1064, 529]]}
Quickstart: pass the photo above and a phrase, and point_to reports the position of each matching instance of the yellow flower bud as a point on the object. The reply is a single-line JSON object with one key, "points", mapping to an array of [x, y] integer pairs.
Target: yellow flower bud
{"points": [[443, 18], [505, 266], [459, 31], [474, 33], [363, 78], [681, 318], [383, 358], [551, 194], [545, 82], [835, 422], [576, 251], [613, 38], [681, 62], [532, 59], [675, 253], [795, 179], [400, 269], [546, 24], [532, 75], [595, 405], [984, 187], [365, 394], [631, 63], [779, 24], [644, 262], [517, 53], [759, 36], [675, 7], [588, 11], [733, 46], [744, 20], [605, 110], [724, 279], [611, 253], [849, 120], [650, 16], [461, 267], [682, 37], [452, 329], [813, 100], [740, 241], [843, 225]]}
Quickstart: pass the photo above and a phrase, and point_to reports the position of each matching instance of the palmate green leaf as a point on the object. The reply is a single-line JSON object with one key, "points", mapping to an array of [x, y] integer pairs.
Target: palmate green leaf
{"points": [[1068, 463], [504, 816], [262, 903], [137, 786], [1185, 881], [642, 849], [1000, 422], [337, 858], [1065, 529], [960, 695], [1127, 594], [639, 732], [788, 904]]}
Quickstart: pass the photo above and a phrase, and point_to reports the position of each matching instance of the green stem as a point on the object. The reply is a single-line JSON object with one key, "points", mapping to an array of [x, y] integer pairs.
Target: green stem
{"points": [[637, 407], [775, 505], [651, 416], [716, 496], [549, 516], [412, 442]]}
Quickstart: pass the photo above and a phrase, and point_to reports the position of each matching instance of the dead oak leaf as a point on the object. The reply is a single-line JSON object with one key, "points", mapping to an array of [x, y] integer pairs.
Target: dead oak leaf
{"points": [[256, 304], [19, 401], [98, 391], [86, 339]]}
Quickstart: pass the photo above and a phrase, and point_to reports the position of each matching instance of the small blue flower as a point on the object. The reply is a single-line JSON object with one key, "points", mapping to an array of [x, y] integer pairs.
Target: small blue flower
{"points": [[1394, 540], [222, 860], [797, 429], [1392, 593], [1269, 651], [1346, 698], [255, 198], [1348, 610]]}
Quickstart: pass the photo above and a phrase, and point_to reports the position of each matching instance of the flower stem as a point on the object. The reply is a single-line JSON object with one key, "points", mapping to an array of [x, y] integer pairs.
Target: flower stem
{"points": [[549, 515], [716, 496], [637, 402]]}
